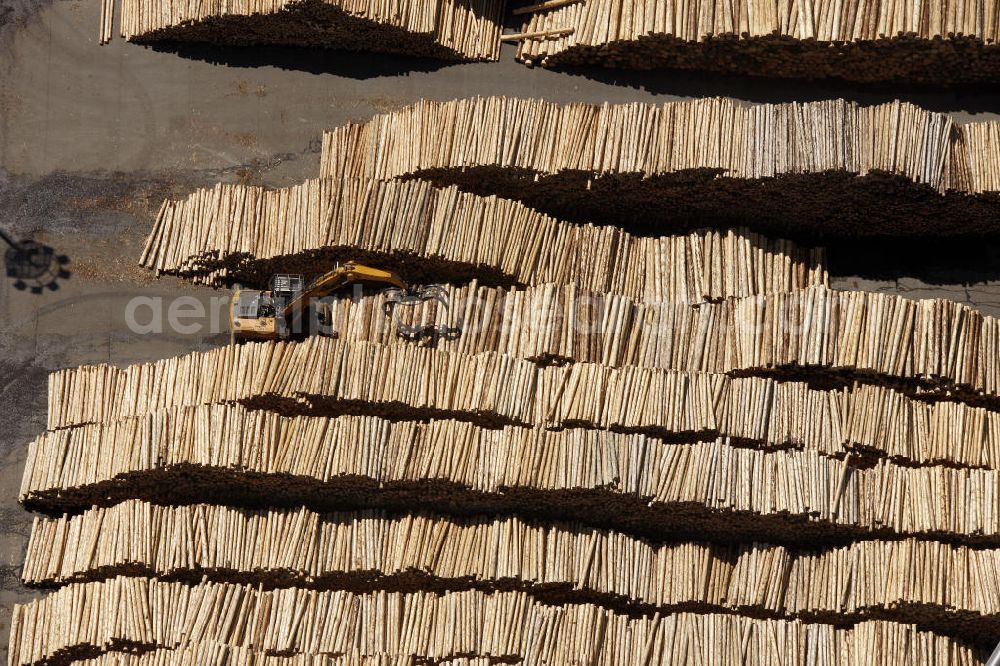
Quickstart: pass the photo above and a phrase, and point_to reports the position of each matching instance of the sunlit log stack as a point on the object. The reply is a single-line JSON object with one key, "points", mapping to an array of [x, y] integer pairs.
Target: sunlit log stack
{"points": [[219, 654], [224, 453], [406, 382], [729, 463], [89, 618], [241, 233], [490, 389], [945, 42], [350, 460], [640, 485], [933, 347], [830, 168], [937, 586], [445, 29]]}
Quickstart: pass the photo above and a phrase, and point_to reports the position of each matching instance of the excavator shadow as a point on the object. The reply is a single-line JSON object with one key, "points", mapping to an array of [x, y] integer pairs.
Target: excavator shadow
{"points": [[33, 266], [429, 336]]}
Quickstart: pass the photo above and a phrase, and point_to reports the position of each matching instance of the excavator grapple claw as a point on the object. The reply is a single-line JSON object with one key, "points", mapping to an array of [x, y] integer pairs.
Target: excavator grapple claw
{"points": [[395, 297]]}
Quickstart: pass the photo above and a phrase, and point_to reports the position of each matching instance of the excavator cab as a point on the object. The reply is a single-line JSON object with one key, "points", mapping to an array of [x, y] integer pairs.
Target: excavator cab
{"points": [[258, 315]]}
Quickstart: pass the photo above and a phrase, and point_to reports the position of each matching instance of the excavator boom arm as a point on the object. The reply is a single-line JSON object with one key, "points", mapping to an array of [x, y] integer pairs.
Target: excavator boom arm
{"points": [[330, 282]]}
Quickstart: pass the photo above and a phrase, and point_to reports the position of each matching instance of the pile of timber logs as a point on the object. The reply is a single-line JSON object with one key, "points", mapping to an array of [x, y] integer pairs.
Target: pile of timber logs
{"points": [[811, 170], [223, 453], [218, 654], [869, 422], [368, 461], [937, 348], [947, 42], [82, 619], [942, 587], [246, 234], [608, 448], [492, 390], [735, 490], [461, 30]]}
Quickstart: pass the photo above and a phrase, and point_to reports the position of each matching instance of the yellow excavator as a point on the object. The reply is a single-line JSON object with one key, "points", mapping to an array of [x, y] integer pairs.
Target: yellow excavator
{"points": [[278, 312]]}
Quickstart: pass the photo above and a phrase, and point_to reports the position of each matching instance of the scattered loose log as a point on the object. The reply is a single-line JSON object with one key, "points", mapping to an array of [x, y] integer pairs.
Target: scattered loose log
{"points": [[800, 171]]}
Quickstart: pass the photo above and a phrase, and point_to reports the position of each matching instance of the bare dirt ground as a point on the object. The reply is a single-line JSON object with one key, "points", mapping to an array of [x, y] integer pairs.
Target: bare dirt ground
{"points": [[93, 138]]}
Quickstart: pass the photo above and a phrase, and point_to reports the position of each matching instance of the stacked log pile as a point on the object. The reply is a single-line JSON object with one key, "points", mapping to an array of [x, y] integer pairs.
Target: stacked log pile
{"points": [[455, 30], [505, 626], [950, 42], [676, 406], [222, 453], [944, 588], [368, 461], [487, 388], [935, 348], [608, 449], [204, 652], [241, 233], [818, 169], [169, 433]]}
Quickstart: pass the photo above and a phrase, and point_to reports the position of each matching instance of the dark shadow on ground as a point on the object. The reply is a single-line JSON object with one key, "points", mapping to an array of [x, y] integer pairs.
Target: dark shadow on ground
{"points": [[33, 266], [939, 261], [350, 64], [16, 13], [688, 83]]}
